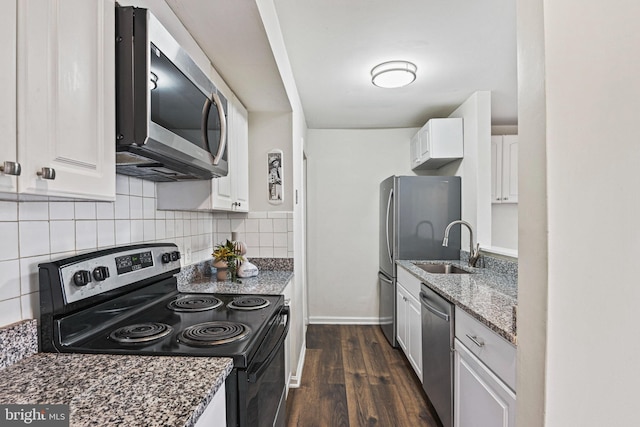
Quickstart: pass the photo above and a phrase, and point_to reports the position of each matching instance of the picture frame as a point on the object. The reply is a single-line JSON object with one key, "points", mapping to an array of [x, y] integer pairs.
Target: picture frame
{"points": [[275, 177]]}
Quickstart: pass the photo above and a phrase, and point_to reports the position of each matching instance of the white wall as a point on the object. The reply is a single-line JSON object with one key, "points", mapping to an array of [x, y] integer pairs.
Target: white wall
{"points": [[504, 225], [581, 109], [268, 131], [475, 168], [345, 168]]}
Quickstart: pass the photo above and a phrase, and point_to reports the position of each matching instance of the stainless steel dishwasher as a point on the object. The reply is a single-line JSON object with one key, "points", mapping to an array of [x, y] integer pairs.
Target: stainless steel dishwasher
{"points": [[437, 353]]}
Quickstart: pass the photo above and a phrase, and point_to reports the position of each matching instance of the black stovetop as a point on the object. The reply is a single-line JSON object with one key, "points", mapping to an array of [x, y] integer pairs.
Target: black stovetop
{"points": [[89, 330]]}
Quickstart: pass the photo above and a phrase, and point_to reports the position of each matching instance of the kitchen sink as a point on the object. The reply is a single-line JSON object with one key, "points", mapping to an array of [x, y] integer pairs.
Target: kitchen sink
{"points": [[441, 268]]}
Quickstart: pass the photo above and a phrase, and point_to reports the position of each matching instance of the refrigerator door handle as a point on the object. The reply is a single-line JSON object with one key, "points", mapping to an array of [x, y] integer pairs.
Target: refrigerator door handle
{"points": [[384, 278], [387, 227]]}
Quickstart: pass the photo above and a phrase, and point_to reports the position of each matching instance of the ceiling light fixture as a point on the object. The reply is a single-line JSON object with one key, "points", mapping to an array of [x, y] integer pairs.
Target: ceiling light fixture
{"points": [[393, 74]]}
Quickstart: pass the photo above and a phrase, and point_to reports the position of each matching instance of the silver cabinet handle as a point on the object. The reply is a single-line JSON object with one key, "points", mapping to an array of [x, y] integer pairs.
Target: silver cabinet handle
{"points": [[11, 168], [47, 173], [475, 340]]}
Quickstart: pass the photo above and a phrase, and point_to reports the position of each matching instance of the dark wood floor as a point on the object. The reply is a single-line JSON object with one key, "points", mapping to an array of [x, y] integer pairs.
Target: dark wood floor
{"points": [[353, 377]]}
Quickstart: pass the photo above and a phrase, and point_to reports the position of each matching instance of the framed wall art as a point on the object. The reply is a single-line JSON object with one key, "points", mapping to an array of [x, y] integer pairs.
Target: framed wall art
{"points": [[275, 176]]}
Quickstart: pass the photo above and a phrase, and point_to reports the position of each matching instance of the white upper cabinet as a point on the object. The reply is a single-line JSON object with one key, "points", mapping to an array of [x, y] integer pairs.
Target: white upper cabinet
{"points": [[9, 159], [438, 142], [504, 169], [65, 98], [228, 193]]}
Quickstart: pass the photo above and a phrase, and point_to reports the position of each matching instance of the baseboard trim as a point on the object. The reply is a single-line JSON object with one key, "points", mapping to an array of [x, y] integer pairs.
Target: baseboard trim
{"points": [[296, 380], [320, 320]]}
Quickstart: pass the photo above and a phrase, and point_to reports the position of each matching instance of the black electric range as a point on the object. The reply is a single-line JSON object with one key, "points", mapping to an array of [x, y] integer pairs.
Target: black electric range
{"points": [[124, 300]]}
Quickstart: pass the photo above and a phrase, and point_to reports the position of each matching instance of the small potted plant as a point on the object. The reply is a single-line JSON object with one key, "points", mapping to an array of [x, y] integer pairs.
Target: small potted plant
{"points": [[227, 259]]}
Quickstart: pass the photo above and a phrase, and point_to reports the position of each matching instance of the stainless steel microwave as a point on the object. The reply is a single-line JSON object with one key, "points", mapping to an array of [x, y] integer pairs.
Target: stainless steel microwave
{"points": [[171, 120]]}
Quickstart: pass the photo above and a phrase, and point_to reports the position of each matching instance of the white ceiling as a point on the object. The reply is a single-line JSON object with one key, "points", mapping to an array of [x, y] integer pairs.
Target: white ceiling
{"points": [[459, 46]]}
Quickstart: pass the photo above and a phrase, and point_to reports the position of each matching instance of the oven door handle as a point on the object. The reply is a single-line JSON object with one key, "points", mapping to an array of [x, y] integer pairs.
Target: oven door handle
{"points": [[261, 367]]}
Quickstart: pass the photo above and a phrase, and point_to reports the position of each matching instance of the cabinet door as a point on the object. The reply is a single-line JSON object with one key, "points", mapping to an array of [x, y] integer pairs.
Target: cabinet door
{"points": [[496, 169], [8, 36], [66, 98], [401, 317], [425, 142], [510, 169], [481, 399], [414, 149], [222, 197], [415, 335]]}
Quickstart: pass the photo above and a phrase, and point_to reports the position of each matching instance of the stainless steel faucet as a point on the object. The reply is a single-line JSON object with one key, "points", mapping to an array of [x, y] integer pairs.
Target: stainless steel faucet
{"points": [[474, 254]]}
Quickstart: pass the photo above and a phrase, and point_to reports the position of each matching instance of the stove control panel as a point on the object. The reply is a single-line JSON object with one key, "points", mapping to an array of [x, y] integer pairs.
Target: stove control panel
{"points": [[111, 269]]}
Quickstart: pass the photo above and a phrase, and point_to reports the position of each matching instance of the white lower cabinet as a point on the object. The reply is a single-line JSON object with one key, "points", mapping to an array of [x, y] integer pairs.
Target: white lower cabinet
{"points": [[409, 327], [484, 375], [215, 414], [287, 293], [481, 398]]}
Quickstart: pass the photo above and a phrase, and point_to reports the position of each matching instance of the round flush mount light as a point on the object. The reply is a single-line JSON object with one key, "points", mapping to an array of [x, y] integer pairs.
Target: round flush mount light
{"points": [[393, 74]]}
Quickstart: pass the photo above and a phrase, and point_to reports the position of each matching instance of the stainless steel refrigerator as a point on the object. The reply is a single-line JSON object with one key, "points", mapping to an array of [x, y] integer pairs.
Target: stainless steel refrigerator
{"points": [[414, 211]]}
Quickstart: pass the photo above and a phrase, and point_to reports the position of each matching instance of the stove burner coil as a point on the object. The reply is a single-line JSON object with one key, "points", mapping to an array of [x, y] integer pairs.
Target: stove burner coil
{"points": [[248, 303], [194, 303], [213, 333], [140, 333]]}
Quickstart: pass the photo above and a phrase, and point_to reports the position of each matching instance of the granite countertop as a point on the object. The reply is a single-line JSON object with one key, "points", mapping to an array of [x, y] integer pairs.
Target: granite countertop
{"points": [[116, 390], [486, 295], [265, 283]]}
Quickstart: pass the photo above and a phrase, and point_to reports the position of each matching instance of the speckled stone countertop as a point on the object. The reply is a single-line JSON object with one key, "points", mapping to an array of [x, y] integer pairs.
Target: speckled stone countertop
{"points": [[111, 390], [265, 283], [486, 295]]}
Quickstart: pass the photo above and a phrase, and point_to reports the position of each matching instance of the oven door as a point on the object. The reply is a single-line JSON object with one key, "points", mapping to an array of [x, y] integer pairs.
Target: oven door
{"points": [[261, 387]]}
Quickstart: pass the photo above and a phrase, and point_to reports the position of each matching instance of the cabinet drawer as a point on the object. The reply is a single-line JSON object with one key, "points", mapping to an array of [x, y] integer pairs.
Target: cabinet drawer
{"points": [[410, 282], [494, 351]]}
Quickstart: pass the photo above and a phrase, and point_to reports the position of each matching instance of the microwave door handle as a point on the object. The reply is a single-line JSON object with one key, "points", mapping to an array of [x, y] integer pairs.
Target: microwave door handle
{"points": [[222, 144]]}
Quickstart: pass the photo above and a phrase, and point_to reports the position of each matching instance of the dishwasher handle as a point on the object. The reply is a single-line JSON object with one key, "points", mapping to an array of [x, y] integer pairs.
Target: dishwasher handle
{"points": [[425, 304]]}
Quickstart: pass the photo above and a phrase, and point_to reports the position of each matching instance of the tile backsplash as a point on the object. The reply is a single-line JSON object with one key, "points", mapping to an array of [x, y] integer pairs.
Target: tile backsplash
{"points": [[38, 231]]}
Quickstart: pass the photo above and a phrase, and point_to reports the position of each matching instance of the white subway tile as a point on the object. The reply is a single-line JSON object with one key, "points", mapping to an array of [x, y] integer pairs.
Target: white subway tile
{"points": [[290, 241], [123, 232], [170, 214], [29, 273], [257, 215], [179, 214], [8, 211], [61, 210], [161, 229], [253, 252], [237, 225], [161, 214], [34, 238], [149, 232], [122, 184], [30, 306], [10, 311], [10, 242], [137, 231], [62, 235], [85, 210], [280, 225], [105, 210], [135, 187], [280, 240], [148, 208], [186, 225], [33, 211], [207, 226], [86, 235], [135, 207], [266, 239], [277, 215], [148, 188], [179, 227], [223, 226], [266, 226], [251, 225], [290, 225], [280, 252], [266, 252], [106, 233], [122, 207], [171, 228], [252, 239], [9, 279]]}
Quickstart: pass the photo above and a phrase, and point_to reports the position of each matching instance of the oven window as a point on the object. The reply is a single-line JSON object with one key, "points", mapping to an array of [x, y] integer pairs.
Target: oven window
{"points": [[177, 104]]}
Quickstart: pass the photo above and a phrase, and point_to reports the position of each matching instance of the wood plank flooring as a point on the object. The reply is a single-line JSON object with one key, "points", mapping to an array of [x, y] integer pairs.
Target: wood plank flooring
{"points": [[353, 377]]}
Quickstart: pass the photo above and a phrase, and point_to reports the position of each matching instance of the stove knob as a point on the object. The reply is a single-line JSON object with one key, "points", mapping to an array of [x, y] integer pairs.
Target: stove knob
{"points": [[100, 273], [82, 277], [166, 258], [175, 256]]}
